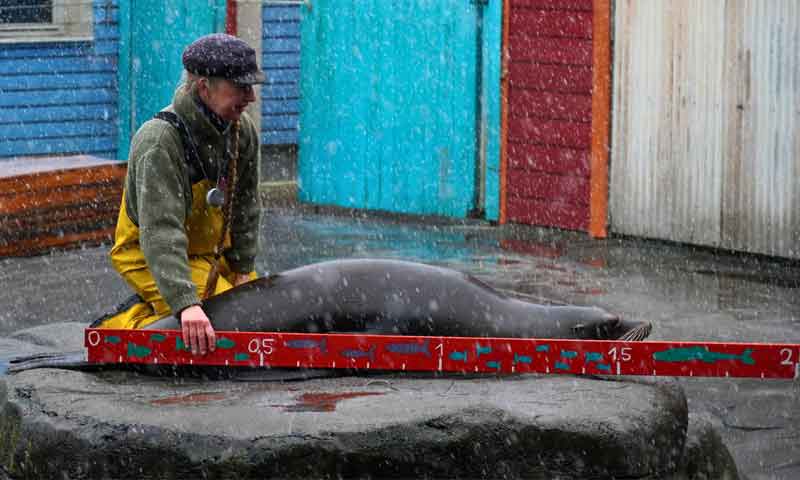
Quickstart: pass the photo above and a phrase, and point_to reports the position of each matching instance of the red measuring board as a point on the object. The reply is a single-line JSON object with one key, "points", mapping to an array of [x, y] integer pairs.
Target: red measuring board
{"points": [[450, 354]]}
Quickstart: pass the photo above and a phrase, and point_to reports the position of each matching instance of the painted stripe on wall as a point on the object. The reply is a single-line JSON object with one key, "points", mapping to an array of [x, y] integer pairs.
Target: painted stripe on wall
{"points": [[61, 98], [280, 97]]}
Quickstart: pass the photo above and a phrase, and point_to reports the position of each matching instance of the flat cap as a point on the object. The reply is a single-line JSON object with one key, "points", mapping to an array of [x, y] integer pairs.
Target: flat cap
{"points": [[224, 56]]}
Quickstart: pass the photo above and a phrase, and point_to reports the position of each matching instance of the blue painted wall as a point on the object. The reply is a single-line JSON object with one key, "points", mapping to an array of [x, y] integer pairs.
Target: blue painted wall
{"points": [[280, 96], [150, 64], [60, 98], [492, 69], [390, 117]]}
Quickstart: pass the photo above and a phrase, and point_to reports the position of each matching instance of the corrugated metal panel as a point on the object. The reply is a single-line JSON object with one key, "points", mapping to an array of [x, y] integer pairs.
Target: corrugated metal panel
{"points": [[762, 197], [59, 98], [280, 97], [705, 139]]}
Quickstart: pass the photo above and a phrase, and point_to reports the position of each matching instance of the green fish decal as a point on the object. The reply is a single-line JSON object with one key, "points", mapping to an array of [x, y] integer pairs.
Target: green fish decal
{"points": [[703, 354], [222, 342], [494, 364], [241, 357], [138, 350], [157, 337], [179, 345], [113, 339]]}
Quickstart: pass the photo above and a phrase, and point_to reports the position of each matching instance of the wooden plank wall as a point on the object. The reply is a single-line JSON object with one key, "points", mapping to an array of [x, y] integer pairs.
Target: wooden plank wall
{"points": [[388, 107], [60, 98], [57, 203], [280, 96], [549, 112]]}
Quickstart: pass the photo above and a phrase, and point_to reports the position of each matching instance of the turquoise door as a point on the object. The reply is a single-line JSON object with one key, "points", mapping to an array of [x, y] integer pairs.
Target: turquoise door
{"points": [[153, 34], [390, 105]]}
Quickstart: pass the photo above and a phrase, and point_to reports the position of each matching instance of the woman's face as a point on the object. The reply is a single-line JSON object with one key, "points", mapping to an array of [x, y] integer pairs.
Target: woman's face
{"points": [[225, 98]]}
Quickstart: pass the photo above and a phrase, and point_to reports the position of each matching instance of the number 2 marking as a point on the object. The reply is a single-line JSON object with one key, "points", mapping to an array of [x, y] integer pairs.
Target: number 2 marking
{"points": [[786, 356]]}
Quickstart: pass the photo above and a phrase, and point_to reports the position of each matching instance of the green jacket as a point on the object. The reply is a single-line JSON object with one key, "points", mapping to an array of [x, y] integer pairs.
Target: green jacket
{"points": [[158, 196]]}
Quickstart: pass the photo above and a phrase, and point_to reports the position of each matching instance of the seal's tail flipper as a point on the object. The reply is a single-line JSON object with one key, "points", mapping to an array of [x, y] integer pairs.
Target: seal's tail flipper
{"points": [[637, 333], [69, 360]]}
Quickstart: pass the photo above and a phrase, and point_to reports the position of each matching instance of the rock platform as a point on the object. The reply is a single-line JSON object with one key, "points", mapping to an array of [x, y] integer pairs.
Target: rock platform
{"points": [[58, 423]]}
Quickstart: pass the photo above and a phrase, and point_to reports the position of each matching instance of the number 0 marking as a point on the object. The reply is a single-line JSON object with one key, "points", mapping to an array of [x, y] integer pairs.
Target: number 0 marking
{"points": [[94, 338]]}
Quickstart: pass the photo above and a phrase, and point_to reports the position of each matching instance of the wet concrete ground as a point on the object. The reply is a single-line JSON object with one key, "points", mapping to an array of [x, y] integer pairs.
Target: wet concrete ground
{"points": [[688, 294]]}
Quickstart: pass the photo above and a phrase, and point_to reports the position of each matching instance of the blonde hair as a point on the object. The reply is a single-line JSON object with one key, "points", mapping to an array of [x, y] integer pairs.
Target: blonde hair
{"points": [[189, 80]]}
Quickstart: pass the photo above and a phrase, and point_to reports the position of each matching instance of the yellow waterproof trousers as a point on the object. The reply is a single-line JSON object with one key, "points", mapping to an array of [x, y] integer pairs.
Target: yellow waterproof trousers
{"points": [[203, 227], [154, 307]]}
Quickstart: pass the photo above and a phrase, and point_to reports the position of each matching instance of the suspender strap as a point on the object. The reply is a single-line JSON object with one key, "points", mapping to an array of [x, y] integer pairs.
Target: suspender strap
{"points": [[227, 213], [189, 146]]}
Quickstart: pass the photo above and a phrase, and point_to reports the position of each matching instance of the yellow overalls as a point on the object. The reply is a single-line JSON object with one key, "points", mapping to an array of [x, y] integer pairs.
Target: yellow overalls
{"points": [[203, 229]]}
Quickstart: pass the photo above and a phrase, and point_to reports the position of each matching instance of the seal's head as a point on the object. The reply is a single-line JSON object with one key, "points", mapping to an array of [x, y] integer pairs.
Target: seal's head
{"points": [[611, 327]]}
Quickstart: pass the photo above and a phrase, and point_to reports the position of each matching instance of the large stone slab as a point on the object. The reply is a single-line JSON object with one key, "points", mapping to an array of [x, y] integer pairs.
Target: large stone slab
{"points": [[122, 424]]}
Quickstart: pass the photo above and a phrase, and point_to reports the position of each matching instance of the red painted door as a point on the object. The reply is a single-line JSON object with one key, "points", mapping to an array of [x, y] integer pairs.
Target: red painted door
{"points": [[549, 112]]}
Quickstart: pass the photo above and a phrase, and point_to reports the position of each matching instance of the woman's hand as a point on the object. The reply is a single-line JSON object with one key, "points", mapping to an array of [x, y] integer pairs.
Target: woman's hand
{"points": [[197, 331]]}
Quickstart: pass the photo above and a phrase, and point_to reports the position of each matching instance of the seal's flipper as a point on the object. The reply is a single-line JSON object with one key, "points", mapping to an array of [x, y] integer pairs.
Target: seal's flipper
{"points": [[68, 360], [77, 361]]}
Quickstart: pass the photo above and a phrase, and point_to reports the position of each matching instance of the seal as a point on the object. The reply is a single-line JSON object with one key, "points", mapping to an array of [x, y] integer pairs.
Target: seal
{"points": [[375, 296], [379, 296]]}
